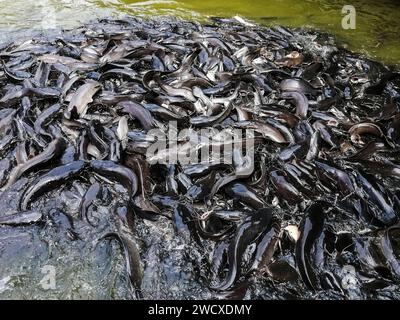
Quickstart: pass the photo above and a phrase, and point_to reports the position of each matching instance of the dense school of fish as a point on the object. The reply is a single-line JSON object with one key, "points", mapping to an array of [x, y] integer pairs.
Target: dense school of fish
{"points": [[318, 215]]}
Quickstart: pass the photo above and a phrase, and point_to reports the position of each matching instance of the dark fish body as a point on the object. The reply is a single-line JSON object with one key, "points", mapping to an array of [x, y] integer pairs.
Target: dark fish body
{"points": [[366, 152], [387, 249], [138, 112], [94, 134], [246, 233], [202, 121], [387, 215], [90, 196], [53, 151], [132, 257], [50, 181], [21, 218], [297, 85], [265, 129], [202, 187], [116, 172], [310, 229], [266, 248], [81, 98], [285, 188], [244, 194], [45, 116], [300, 101], [342, 178], [164, 113]]}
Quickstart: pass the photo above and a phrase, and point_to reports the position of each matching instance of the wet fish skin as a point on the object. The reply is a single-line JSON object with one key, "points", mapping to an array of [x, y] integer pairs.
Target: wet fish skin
{"points": [[49, 181], [265, 129], [164, 113], [387, 249], [297, 85], [94, 130], [342, 177], [244, 167], [44, 117], [284, 188], [21, 218], [369, 150], [53, 151], [300, 101], [201, 188], [90, 196], [266, 248], [132, 257], [202, 121], [141, 202], [245, 194], [116, 172], [246, 233], [362, 128], [138, 112], [387, 215], [310, 229], [81, 99]]}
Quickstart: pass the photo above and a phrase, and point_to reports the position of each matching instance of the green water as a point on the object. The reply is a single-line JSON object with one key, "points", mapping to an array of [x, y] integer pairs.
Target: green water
{"points": [[376, 34]]}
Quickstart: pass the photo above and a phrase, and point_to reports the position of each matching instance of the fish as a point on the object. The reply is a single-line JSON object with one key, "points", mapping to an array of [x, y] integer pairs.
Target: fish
{"points": [[284, 188], [388, 251], [386, 213], [300, 101], [266, 130], [21, 218], [138, 112], [141, 202], [361, 128], [342, 177], [266, 248], [202, 187], [367, 151], [49, 181], [81, 99], [116, 172], [132, 257], [244, 167], [52, 152], [310, 229], [44, 118], [297, 85], [165, 113], [94, 133], [202, 121], [90, 196], [311, 207], [247, 232], [244, 194]]}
